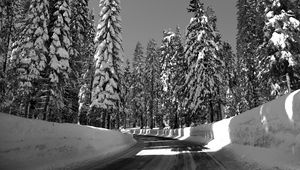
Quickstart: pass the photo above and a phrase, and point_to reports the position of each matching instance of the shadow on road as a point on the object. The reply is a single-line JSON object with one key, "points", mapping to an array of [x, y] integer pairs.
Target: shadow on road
{"points": [[165, 153]]}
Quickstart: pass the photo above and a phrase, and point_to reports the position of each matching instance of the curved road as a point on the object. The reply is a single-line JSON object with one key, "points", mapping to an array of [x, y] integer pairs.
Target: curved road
{"points": [[155, 153]]}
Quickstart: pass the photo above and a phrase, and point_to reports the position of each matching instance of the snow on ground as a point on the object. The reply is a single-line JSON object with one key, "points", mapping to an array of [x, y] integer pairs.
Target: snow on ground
{"points": [[35, 144], [256, 158], [266, 137]]}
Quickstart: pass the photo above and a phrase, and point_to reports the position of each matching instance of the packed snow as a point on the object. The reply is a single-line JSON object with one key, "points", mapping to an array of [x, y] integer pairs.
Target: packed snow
{"points": [[266, 137], [35, 144]]}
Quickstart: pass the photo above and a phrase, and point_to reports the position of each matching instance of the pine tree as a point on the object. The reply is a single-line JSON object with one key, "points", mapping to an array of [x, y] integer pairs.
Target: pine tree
{"points": [[7, 15], [250, 35], [167, 62], [6, 30], [106, 88], [81, 53], [138, 86], [58, 69], [87, 78], [172, 72], [232, 95], [28, 59], [126, 96], [204, 64], [79, 27], [151, 79], [280, 52]]}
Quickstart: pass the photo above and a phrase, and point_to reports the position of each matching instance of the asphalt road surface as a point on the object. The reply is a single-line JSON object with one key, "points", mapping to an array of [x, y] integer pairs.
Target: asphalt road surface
{"points": [[157, 153]]}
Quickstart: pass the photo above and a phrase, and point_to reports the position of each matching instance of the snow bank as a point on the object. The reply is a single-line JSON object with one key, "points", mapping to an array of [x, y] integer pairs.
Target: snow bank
{"points": [[34, 144], [249, 157], [274, 127]]}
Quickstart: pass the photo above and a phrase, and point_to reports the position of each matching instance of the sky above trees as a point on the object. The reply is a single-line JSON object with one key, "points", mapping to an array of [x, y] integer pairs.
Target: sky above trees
{"points": [[146, 19]]}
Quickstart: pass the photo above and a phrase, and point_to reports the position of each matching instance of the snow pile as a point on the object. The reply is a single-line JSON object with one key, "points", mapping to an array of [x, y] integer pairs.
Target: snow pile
{"points": [[268, 135], [34, 144], [273, 125], [249, 157]]}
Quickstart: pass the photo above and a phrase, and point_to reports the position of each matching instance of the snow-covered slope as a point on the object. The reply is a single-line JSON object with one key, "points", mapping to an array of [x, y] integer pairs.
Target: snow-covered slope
{"points": [[34, 144]]}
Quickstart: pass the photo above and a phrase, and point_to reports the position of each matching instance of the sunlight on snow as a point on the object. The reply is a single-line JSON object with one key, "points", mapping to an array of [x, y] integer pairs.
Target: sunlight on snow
{"points": [[263, 119], [92, 127], [153, 152], [221, 135], [186, 133], [289, 105], [157, 152]]}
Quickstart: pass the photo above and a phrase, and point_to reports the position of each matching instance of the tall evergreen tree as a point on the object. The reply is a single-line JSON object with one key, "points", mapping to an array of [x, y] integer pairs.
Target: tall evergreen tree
{"points": [[151, 78], [171, 74], [230, 75], [29, 57], [6, 31], [58, 67], [81, 53], [126, 96], [106, 87], [79, 27], [7, 15], [201, 53], [87, 77], [137, 86], [250, 35]]}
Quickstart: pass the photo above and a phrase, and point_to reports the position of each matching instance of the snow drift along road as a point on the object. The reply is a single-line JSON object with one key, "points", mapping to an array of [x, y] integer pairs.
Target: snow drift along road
{"points": [[35, 144], [273, 128]]}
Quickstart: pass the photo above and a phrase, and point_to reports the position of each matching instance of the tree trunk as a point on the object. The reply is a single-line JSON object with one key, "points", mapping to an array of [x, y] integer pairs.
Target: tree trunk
{"points": [[142, 121], [10, 21], [125, 118], [176, 121], [152, 100], [103, 119], [108, 120], [135, 118], [118, 119], [288, 81], [46, 106], [220, 111], [145, 112], [26, 109], [211, 111]]}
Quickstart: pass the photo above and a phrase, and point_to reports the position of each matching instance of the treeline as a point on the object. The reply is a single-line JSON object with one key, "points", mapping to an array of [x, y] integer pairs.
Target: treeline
{"points": [[55, 66]]}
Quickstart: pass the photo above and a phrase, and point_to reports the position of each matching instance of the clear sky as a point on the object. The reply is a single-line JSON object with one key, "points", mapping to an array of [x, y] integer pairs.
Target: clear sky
{"points": [[146, 19]]}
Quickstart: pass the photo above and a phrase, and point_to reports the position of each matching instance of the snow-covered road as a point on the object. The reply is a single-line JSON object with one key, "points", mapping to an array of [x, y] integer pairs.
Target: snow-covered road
{"points": [[159, 153]]}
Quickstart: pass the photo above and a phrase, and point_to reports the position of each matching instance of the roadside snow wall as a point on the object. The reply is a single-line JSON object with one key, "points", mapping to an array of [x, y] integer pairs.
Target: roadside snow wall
{"points": [[273, 125], [34, 144]]}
